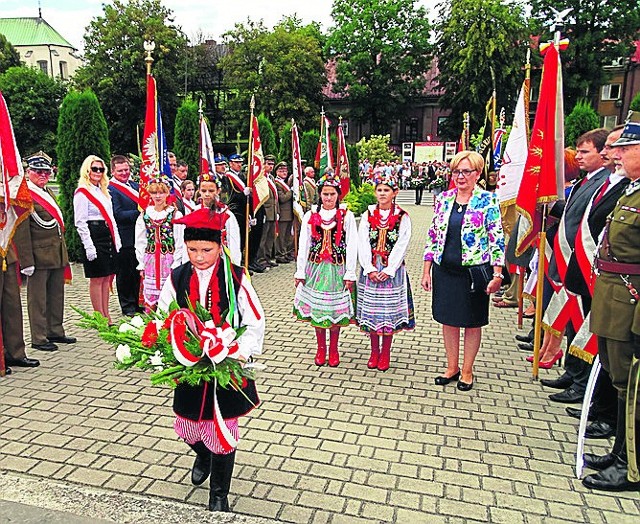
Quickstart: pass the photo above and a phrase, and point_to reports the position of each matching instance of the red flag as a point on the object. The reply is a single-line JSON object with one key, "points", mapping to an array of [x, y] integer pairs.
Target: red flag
{"points": [[257, 179], [342, 166], [542, 180], [206, 148], [149, 165]]}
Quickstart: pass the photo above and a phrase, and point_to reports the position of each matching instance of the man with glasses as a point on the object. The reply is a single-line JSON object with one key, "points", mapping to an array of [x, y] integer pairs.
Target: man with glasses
{"points": [[268, 240]]}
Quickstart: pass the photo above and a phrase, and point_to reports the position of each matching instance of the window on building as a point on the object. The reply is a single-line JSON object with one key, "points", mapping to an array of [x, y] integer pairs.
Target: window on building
{"points": [[442, 120], [411, 130], [610, 121], [611, 92], [64, 71], [44, 66]]}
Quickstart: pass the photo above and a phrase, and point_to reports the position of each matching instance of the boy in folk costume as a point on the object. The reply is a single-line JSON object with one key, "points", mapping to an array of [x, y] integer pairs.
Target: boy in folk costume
{"points": [[159, 244], [210, 279], [326, 268], [385, 303]]}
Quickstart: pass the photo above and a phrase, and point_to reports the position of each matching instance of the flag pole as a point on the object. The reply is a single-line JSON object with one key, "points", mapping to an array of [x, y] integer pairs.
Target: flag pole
{"points": [[252, 106]]}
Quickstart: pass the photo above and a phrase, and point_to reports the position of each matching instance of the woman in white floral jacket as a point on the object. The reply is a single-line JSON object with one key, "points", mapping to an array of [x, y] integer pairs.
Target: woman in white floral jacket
{"points": [[465, 251]]}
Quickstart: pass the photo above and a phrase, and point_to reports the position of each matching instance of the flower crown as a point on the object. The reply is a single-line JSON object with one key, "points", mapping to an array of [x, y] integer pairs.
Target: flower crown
{"points": [[211, 177], [162, 179], [328, 179], [386, 179]]}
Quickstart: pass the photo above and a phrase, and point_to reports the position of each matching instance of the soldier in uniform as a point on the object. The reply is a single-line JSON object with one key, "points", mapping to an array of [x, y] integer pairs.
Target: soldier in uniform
{"points": [[284, 242], [268, 240], [310, 188], [45, 252], [615, 312]]}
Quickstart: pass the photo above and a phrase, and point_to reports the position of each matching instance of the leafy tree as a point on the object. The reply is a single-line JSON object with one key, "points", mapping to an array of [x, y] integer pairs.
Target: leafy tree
{"points": [[308, 146], [375, 148], [82, 131], [382, 52], [354, 165], [284, 68], [267, 135], [582, 118], [599, 33], [187, 136], [284, 153], [635, 102], [474, 37], [9, 57], [33, 99], [115, 67]]}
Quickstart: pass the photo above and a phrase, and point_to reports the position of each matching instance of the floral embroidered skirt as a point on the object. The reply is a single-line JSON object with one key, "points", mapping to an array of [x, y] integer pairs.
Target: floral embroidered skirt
{"points": [[385, 307], [323, 299], [150, 291]]}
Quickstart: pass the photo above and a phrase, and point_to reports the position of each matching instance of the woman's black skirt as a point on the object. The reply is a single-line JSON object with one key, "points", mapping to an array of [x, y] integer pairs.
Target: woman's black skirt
{"points": [[452, 303], [105, 263]]}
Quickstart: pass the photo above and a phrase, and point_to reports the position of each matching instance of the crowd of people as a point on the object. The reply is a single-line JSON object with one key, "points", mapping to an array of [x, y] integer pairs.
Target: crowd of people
{"points": [[191, 241]]}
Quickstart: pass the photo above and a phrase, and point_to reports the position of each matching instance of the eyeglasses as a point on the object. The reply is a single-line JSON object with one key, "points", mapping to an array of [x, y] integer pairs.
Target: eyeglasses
{"points": [[463, 172], [95, 169]]}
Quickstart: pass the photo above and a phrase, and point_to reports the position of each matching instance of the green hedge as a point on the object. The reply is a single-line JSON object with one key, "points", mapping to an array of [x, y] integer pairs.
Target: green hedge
{"points": [[359, 198]]}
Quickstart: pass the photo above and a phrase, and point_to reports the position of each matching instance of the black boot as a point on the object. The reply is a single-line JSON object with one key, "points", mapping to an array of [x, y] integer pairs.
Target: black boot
{"points": [[221, 473], [601, 462], [202, 464]]}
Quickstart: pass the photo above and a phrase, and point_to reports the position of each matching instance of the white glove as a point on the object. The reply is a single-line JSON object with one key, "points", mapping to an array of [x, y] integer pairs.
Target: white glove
{"points": [[277, 216], [92, 254], [247, 191], [28, 271], [253, 221]]}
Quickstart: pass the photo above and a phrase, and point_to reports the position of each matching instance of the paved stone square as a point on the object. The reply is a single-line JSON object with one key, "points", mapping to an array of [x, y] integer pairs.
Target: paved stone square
{"points": [[328, 445]]}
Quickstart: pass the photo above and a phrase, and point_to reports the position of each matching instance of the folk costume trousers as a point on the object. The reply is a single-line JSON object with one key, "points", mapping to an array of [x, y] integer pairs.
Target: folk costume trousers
{"points": [[45, 302]]}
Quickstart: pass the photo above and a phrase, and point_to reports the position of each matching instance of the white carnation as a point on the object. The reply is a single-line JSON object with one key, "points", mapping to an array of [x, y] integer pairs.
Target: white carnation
{"points": [[123, 352]]}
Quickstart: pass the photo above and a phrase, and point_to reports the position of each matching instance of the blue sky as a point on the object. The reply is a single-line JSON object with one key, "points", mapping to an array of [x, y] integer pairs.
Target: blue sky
{"points": [[211, 18]]}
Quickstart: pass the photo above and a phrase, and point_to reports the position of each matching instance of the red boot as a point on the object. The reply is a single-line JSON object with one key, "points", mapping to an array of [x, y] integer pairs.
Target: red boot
{"points": [[375, 351], [334, 357], [385, 354], [321, 353]]}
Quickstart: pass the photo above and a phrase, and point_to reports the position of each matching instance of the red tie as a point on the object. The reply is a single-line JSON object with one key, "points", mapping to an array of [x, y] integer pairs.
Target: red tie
{"points": [[602, 191]]}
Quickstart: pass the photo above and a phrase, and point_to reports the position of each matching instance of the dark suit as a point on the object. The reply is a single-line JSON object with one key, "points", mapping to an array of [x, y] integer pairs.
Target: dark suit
{"points": [[45, 249], [126, 212], [237, 202]]}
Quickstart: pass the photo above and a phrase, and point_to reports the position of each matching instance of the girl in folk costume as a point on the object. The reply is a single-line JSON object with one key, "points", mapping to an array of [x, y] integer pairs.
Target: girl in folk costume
{"points": [[222, 288], [384, 304], [326, 268], [209, 198], [159, 244], [188, 189], [97, 229]]}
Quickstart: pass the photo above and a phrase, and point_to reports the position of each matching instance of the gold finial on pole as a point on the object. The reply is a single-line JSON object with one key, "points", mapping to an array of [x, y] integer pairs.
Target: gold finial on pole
{"points": [[149, 46]]}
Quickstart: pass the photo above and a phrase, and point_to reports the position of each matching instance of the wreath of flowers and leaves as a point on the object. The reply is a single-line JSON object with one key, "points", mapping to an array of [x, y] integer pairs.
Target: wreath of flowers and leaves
{"points": [[181, 346]]}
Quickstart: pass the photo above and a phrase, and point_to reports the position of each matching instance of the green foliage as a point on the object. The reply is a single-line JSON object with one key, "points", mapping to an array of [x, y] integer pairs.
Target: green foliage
{"points": [[9, 57], [308, 146], [82, 131], [599, 33], [33, 99], [583, 118], [473, 37], [359, 198], [354, 167], [284, 68], [115, 67], [186, 142], [375, 148], [382, 51], [267, 135], [284, 153], [635, 102]]}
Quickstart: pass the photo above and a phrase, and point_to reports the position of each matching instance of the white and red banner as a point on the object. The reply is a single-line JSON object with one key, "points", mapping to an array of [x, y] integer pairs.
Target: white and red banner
{"points": [[298, 175], [342, 166], [257, 179], [206, 148]]}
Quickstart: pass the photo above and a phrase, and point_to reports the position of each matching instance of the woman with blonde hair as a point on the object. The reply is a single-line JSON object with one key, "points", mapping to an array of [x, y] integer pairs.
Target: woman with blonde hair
{"points": [[97, 229], [463, 262]]}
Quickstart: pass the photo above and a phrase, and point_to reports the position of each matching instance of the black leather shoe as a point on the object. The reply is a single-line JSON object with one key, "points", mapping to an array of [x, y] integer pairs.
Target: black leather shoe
{"points": [[599, 462], [256, 268], [613, 478], [443, 381], [465, 386], [63, 340], [47, 346], [201, 469], [7, 370], [568, 396], [25, 362], [577, 413], [524, 338], [599, 429], [561, 383], [526, 346]]}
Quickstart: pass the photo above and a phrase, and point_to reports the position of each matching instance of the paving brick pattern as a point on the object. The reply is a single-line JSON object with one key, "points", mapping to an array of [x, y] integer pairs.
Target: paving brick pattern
{"points": [[328, 445]]}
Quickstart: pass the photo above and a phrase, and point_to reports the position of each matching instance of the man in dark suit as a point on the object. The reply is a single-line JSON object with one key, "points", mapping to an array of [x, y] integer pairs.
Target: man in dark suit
{"points": [[125, 198], [44, 259], [615, 314], [588, 148]]}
